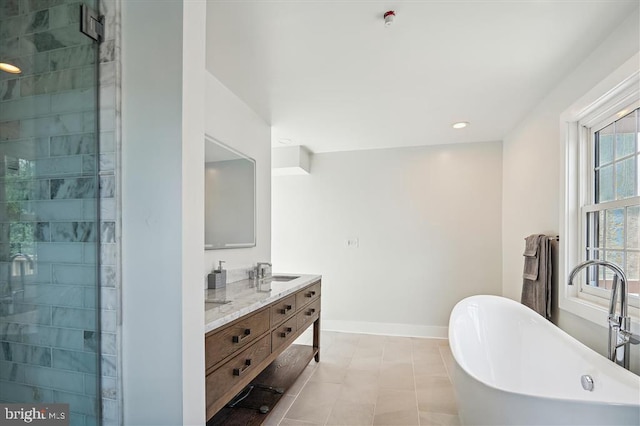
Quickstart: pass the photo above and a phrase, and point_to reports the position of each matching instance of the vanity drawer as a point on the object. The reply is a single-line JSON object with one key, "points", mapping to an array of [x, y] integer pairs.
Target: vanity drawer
{"points": [[283, 333], [236, 369], [307, 295], [234, 337], [308, 314], [283, 310]]}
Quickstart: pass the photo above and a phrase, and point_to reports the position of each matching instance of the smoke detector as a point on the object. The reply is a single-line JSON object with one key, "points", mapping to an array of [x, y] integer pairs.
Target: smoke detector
{"points": [[389, 16]]}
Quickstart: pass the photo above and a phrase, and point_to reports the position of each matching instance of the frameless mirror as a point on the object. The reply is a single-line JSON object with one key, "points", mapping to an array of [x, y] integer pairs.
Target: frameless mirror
{"points": [[229, 197]]}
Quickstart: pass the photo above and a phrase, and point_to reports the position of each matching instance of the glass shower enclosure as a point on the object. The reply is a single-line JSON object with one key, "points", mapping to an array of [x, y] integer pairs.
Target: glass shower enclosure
{"points": [[49, 209]]}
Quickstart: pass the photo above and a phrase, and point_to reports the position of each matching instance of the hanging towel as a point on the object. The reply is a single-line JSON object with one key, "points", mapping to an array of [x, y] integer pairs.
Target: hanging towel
{"points": [[536, 286], [531, 258]]}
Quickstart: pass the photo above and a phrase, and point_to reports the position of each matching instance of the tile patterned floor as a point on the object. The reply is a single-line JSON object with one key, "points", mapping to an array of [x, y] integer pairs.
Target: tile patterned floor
{"points": [[372, 380]]}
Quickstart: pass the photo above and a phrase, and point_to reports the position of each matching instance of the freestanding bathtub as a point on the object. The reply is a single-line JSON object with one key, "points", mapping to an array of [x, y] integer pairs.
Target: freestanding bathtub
{"points": [[513, 367]]}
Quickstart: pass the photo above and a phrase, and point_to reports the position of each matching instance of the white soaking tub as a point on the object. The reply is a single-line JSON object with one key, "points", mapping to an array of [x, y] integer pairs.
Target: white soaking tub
{"points": [[513, 367]]}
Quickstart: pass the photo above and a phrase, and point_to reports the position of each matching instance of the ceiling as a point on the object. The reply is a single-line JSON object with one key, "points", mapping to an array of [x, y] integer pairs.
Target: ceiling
{"points": [[329, 75]]}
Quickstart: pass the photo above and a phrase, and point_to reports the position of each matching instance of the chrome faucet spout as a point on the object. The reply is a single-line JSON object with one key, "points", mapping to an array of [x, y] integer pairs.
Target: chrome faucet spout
{"points": [[619, 280], [260, 269], [619, 325]]}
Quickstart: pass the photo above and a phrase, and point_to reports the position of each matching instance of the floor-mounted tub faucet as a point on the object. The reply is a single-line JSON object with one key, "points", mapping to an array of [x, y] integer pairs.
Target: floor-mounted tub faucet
{"points": [[620, 335]]}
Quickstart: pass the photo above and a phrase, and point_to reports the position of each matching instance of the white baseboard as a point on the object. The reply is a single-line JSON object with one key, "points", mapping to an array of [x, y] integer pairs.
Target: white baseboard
{"points": [[386, 329]]}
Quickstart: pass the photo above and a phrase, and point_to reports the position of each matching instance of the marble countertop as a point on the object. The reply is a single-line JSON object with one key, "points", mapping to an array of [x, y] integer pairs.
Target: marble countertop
{"points": [[243, 297]]}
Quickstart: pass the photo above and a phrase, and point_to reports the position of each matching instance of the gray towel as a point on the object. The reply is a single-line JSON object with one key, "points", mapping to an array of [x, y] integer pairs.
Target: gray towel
{"points": [[531, 258], [536, 291]]}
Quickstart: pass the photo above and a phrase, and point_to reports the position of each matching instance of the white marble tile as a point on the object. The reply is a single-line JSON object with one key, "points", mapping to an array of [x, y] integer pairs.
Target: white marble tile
{"points": [[107, 98], [58, 166], [107, 141], [108, 321], [107, 275], [109, 253], [56, 379], [75, 100], [22, 108], [108, 74], [59, 252], [107, 186], [72, 144], [15, 392], [83, 275], [63, 15]]}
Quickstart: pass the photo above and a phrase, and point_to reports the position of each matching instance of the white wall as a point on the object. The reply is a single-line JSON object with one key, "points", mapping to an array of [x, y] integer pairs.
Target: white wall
{"points": [[231, 121], [428, 223], [193, 107], [531, 181], [162, 212]]}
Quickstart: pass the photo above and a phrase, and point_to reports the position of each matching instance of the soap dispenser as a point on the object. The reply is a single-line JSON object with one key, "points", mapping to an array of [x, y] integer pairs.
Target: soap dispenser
{"points": [[218, 279]]}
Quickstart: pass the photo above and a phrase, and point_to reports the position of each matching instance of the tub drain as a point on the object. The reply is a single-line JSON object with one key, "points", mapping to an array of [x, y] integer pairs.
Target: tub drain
{"points": [[587, 382]]}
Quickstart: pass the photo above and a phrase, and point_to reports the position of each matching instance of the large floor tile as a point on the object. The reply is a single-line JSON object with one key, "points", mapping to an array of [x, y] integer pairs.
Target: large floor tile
{"points": [[279, 411], [397, 376], [447, 357], [436, 395], [351, 414], [369, 351], [396, 407], [292, 422], [438, 419], [302, 379], [340, 350], [429, 361], [369, 379], [359, 388], [314, 403], [329, 373], [371, 341], [366, 362]]}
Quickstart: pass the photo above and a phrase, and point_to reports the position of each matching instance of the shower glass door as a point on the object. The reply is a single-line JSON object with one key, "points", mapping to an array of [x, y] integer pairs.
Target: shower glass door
{"points": [[49, 213]]}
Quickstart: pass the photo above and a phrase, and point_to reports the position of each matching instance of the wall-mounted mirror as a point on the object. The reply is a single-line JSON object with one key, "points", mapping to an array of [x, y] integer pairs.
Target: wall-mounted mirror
{"points": [[230, 197]]}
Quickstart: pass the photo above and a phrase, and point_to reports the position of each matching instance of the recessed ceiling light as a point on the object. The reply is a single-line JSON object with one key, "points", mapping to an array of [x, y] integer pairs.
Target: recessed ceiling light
{"points": [[623, 113], [10, 68], [460, 125]]}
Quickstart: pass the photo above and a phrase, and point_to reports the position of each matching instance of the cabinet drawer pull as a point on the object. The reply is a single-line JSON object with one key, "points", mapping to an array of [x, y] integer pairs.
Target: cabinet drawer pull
{"points": [[311, 312], [287, 331], [311, 293], [239, 371], [238, 339], [286, 308]]}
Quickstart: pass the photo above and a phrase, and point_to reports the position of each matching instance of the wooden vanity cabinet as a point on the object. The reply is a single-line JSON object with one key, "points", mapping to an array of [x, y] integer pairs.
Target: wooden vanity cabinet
{"points": [[237, 368], [237, 352], [308, 294], [235, 336], [284, 333], [283, 309]]}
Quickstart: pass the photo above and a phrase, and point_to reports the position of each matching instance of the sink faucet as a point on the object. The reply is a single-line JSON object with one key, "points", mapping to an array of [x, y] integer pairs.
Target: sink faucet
{"points": [[260, 269], [620, 335]]}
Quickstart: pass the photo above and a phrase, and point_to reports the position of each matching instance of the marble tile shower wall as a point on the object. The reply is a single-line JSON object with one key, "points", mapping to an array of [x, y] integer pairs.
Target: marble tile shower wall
{"points": [[48, 131], [108, 163]]}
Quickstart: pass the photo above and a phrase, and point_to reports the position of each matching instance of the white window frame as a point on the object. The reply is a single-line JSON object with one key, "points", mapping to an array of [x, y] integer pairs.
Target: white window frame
{"points": [[618, 91], [588, 204]]}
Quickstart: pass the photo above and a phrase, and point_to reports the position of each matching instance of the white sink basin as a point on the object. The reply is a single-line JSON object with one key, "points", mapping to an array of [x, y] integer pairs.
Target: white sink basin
{"points": [[283, 277]]}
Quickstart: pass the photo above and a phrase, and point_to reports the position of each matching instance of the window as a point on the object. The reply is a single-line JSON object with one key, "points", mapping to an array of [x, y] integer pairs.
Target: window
{"points": [[599, 193], [610, 212]]}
